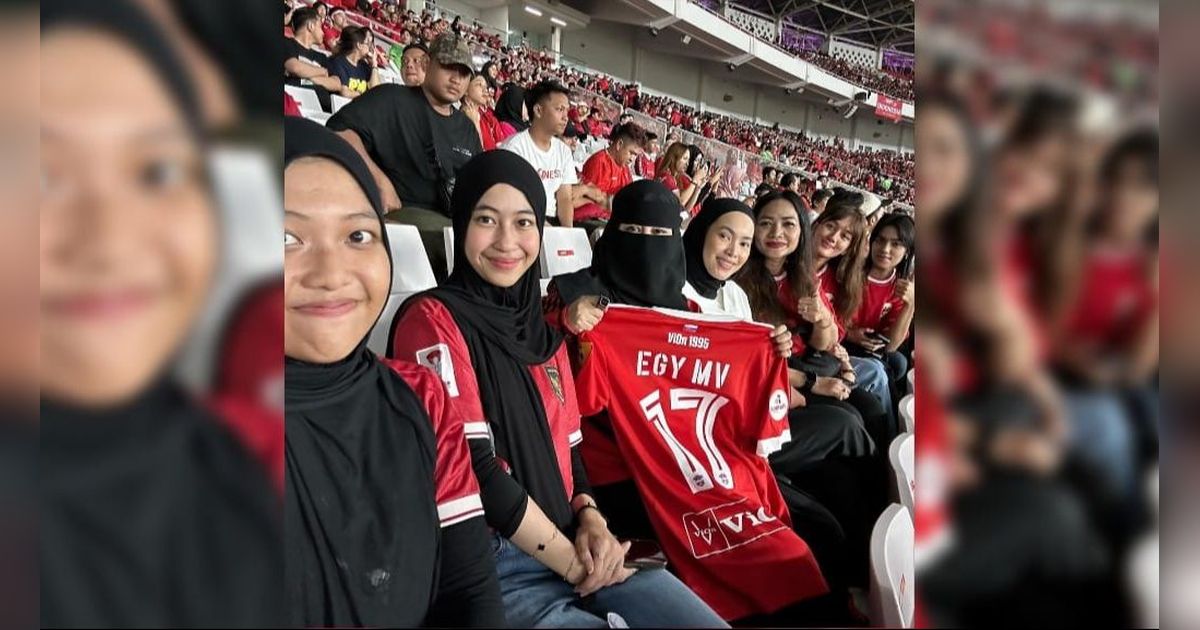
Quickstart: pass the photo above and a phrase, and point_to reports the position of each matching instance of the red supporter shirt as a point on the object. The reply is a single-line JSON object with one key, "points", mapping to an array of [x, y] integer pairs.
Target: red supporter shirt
{"points": [[428, 334], [829, 289], [880, 307], [604, 172], [456, 490], [1115, 300], [697, 403], [332, 34]]}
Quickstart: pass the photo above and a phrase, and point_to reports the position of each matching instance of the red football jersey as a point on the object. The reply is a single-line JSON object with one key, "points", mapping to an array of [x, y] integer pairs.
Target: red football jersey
{"points": [[697, 403], [455, 489], [428, 335], [880, 305]]}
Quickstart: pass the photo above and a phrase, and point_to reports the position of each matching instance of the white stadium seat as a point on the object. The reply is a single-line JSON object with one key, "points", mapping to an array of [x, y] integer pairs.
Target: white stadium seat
{"points": [[902, 454], [307, 97], [247, 187], [411, 274], [908, 412], [448, 239], [892, 595], [338, 101], [564, 250], [912, 381]]}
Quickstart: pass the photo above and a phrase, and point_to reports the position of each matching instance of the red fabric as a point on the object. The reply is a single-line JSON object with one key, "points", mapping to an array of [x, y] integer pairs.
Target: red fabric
{"points": [[696, 407], [291, 107], [428, 335], [1115, 301], [330, 39], [259, 430], [455, 487], [250, 363], [610, 177], [788, 299], [829, 289], [880, 307], [490, 131]]}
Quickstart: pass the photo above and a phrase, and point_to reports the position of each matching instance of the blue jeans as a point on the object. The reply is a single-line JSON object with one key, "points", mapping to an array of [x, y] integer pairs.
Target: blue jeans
{"points": [[536, 597], [871, 377], [1101, 433]]}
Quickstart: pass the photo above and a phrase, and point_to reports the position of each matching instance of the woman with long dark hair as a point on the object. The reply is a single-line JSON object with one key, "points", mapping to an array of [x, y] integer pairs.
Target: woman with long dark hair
{"points": [[483, 333], [888, 302], [354, 61], [839, 248]]}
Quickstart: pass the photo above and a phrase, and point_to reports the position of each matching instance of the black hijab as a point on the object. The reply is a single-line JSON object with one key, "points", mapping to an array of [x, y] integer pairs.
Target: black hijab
{"points": [[693, 243], [152, 513], [508, 107], [635, 269], [362, 528], [506, 334]]}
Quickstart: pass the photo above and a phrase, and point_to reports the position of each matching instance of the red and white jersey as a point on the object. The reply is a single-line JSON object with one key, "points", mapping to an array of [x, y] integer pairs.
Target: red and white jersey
{"points": [[428, 335], [697, 402], [880, 307], [1116, 300], [456, 490]]}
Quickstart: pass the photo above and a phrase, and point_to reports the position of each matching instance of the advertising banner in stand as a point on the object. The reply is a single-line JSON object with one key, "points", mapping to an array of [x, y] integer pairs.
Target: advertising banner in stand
{"points": [[888, 108]]}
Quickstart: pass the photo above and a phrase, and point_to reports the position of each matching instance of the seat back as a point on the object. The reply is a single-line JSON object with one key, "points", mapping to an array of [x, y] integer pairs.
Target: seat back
{"points": [[411, 271], [306, 96], [892, 595], [564, 250], [902, 455], [337, 101], [908, 412]]}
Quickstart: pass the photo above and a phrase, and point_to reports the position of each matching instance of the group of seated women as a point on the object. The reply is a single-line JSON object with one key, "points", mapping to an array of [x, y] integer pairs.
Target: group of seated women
{"points": [[455, 482]]}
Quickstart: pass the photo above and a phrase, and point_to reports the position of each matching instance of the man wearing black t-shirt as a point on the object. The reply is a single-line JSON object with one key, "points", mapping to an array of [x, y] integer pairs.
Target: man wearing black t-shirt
{"points": [[303, 65], [414, 141]]}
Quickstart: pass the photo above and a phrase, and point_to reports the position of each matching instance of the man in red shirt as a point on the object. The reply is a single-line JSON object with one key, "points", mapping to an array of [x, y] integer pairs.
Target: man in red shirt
{"points": [[608, 171]]}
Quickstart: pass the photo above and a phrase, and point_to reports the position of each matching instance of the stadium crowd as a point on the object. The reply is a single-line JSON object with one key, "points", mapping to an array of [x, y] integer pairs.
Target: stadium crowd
{"points": [[533, 402], [873, 170], [876, 79]]}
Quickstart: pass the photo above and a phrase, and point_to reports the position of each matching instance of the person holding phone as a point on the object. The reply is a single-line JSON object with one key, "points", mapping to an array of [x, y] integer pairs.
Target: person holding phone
{"points": [[886, 312]]}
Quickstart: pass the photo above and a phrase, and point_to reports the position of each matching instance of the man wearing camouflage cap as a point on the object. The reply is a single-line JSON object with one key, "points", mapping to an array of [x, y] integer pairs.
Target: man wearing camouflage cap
{"points": [[414, 141]]}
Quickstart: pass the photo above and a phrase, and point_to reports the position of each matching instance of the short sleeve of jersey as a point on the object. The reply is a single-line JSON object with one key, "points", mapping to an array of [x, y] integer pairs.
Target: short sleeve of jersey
{"points": [[591, 386], [428, 336], [456, 489], [594, 172], [770, 407]]}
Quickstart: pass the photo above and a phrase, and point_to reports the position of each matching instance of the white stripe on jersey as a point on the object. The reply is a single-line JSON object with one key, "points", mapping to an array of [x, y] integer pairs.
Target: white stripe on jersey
{"points": [[770, 445], [575, 438], [477, 430], [459, 510]]}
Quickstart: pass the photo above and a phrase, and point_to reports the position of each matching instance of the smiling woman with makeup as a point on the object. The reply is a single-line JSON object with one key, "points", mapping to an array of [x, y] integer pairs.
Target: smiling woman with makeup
{"points": [[152, 513], [384, 520], [508, 373]]}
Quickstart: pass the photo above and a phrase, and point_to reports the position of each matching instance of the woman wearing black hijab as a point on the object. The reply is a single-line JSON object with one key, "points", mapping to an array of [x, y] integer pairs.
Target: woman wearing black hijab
{"points": [[511, 109], [153, 514], [507, 371], [383, 516]]}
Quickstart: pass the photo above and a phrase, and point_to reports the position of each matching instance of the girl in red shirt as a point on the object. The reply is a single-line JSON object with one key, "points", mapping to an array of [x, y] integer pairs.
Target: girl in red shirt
{"points": [[887, 304]]}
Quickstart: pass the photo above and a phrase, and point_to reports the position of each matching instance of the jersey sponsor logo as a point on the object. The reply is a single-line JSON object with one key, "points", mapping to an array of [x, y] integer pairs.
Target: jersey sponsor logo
{"points": [[887, 307], [728, 526], [437, 358], [555, 383], [778, 407]]}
